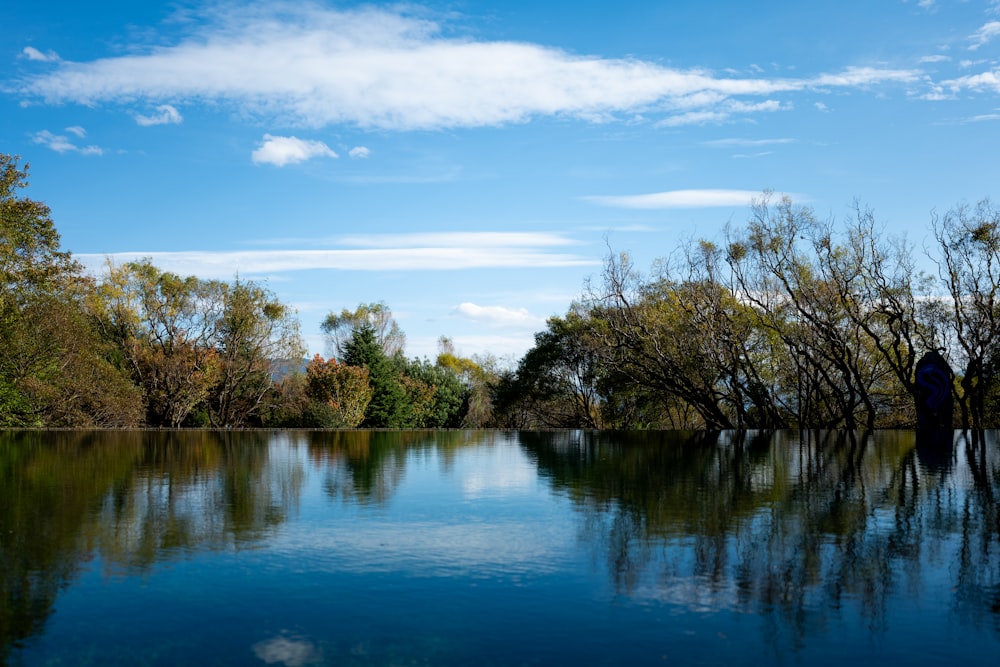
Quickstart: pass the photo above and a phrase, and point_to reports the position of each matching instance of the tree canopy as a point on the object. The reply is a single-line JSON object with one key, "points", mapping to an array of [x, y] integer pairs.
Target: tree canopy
{"points": [[786, 321]]}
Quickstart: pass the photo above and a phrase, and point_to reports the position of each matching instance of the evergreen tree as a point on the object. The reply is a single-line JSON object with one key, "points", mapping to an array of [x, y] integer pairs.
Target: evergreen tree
{"points": [[390, 406]]}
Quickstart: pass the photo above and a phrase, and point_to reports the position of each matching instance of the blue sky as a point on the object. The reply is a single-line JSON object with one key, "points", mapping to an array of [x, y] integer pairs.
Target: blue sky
{"points": [[469, 163]]}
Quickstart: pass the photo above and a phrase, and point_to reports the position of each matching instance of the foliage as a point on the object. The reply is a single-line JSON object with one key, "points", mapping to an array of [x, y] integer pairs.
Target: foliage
{"points": [[255, 333], [789, 321], [344, 390], [195, 346], [340, 329], [53, 368], [969, 239], [554, 384], [478, 376]]}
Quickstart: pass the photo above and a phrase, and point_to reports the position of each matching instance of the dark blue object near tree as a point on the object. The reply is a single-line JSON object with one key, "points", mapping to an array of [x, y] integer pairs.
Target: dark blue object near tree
{"points": [[934, 401]]}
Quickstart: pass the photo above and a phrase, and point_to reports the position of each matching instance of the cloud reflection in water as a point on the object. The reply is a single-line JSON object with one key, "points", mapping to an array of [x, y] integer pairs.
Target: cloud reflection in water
{"points": [[287, 652]]}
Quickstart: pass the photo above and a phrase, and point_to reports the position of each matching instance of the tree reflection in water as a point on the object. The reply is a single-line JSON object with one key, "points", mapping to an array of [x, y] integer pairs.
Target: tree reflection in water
{"points": [[131, 499], [804, 530], [368, 466]]}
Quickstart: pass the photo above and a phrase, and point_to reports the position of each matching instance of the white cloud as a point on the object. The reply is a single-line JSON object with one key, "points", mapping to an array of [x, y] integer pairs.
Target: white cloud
{"points": [[680, 199], [31, 53], [373, 68], [418, 252], [61, 144], [457, 240], [751, 156], [984, 80], [723, 112], [982, 118], [77, 130], [359, 152], [165, 115], [984, 35], [499, 315], [860, 77], [735, 141], [281, 151]]}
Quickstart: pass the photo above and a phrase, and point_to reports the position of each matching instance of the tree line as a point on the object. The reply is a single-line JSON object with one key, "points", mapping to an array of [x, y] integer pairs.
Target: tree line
{"points": [[143, 347], [787, 321]]}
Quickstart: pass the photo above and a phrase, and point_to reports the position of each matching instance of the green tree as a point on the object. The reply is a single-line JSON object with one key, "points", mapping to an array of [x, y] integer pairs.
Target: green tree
{"points": [[340, 329], [390, 406], [164, 327], [439, 397], [343, 390], [651, 333], [256, 332], [479, 377], [777, 271], [54, 370], [556, 382], [969, 242]]}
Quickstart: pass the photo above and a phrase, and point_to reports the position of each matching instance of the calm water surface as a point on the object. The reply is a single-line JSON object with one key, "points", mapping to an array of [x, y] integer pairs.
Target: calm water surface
{"points": [[496, 548]]}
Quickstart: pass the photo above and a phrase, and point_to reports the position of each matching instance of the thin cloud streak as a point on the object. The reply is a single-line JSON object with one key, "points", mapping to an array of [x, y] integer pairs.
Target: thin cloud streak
{"points": [[376, 69], [499, 315], [679, 199], [985, 35], [735, 141], [456, 240], [226, 264], [62, 144]]}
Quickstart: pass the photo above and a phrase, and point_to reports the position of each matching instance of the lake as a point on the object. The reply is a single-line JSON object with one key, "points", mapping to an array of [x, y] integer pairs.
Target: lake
{"points": [[498, 548]]}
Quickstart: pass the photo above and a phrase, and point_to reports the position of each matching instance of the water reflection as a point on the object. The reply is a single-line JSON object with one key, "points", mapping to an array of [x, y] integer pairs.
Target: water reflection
{"points": [[131, 498], [800, 529], [806, 533]]}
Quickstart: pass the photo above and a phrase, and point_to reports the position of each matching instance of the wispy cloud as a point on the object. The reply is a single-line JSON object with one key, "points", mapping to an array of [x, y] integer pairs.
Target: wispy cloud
{"points": [[989, 80], [747, 143], [457, 240], [499, 315], [980, 118], [60, 143], [419, 252], [374, 68], [723, 112], [984, 35], [359, 152], [165, 115], [679, 199], [31, 53], [281, 151]]}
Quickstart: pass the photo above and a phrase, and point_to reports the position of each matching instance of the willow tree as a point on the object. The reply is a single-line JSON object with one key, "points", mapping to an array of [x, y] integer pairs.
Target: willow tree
{"points": [[555, 384], [194, 345], [968, 239], [651, 333], [54, 371], [774, 260], [343, 391], [164, 326], [255, 333], [339, 329], [889, 302]]}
